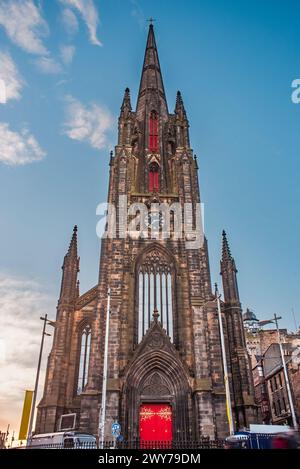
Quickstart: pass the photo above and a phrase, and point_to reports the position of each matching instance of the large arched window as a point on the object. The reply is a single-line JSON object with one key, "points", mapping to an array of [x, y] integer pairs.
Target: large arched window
{"points": [[155, 286], [85, 347], [153, 132]]}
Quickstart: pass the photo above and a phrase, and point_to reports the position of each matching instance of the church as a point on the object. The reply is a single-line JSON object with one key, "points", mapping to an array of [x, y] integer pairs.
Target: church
{"points": [[165, 377]]}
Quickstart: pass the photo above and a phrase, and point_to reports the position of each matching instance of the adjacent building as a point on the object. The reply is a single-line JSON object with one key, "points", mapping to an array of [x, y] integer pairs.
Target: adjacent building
{"points": [[268, 376]]}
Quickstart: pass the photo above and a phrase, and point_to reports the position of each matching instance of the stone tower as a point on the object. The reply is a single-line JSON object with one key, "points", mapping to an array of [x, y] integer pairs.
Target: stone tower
{"points": [[164, 344]]}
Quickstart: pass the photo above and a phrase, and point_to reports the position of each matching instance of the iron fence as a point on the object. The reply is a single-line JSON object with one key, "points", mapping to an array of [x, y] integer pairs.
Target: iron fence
{"points": [[253, 441], [203, 443]]}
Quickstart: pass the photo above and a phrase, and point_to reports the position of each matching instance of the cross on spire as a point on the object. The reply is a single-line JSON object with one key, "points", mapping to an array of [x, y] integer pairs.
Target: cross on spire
{"points": [[151, 20]]}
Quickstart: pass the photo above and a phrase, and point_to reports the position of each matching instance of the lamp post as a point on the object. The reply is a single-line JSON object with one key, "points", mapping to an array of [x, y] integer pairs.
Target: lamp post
{"points": [[285, 371], [104, 382], [32, 412], [224, 359]]}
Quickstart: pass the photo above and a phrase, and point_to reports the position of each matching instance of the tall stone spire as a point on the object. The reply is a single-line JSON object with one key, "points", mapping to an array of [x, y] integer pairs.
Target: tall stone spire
{"points": [[126, 104], [228, 272], [226, 254], [151, 92], [179, 107], [183, 139], [70, 268], [125, 119], [72, 251], [242, 392]]}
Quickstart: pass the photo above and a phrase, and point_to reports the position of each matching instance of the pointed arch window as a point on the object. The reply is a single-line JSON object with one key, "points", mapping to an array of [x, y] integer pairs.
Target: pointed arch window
{"points": [[153, 132], [155, 290], [85, 347], [153, 177]]}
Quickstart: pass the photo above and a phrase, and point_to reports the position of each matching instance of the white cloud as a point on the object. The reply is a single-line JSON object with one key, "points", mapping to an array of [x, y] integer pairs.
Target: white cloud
{"points": [[69, 21], [24, 24], [22, 302], [89, 14], [18, 148], [87, 123], [12, 81], [138, 13], [67, 54], [48, 65]]}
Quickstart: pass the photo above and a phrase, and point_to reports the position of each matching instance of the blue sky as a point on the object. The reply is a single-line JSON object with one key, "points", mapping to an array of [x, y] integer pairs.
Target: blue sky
{"points": [[233, 61]]}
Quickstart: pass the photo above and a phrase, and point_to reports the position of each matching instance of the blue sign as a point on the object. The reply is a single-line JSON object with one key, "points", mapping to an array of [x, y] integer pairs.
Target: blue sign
{"points": [[115, 429]]}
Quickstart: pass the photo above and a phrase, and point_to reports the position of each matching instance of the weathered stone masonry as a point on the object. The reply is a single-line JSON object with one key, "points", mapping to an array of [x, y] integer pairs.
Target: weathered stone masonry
{"points": [[186, 372]]}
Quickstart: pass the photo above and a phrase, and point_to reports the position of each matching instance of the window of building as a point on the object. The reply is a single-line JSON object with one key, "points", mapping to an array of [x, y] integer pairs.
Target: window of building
{"points": [[155, 286], [283, 404], [153, 132], [279, 406], [85, 347], [153, 177], [280, 380]]}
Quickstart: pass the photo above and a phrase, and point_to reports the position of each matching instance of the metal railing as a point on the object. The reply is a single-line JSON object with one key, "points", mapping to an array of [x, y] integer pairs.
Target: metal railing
{"points": [[203, 443]]}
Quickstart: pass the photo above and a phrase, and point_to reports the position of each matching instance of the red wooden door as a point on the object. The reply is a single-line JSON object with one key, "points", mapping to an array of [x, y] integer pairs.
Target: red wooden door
{"points": [[156, 422]]}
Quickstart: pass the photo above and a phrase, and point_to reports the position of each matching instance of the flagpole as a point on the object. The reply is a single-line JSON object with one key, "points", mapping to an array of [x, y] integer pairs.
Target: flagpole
{"points": [[29, 434], [226, 379], [104, 383]]}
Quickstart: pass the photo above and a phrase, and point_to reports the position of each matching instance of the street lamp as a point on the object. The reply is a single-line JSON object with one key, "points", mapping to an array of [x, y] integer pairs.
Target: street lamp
{"points": [[224, 359], [286, 376], [102, 414], [51, 323]]}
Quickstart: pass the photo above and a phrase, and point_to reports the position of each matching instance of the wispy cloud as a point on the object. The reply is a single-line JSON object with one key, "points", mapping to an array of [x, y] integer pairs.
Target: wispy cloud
{"points": [[10, 78], [137, 13], [67, 54], [18, 148], [89, 14], [48, 65], [24, 24], [89, 124], [22, 302], [69, 21]]}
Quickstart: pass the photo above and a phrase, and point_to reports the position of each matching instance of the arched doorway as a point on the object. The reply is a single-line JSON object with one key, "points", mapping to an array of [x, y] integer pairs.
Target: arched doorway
{"points": [[156, 390]]}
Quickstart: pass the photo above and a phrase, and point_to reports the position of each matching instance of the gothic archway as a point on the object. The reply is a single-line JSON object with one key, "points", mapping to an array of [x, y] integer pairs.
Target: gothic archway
{"points": [[156, 374]]}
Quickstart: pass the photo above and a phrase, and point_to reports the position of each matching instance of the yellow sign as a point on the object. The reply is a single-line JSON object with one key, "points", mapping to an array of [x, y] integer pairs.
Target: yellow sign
{"points": [[25, 415]]}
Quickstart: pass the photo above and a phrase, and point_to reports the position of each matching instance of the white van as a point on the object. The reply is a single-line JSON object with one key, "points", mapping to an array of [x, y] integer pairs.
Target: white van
{"points": [[63, 440]]}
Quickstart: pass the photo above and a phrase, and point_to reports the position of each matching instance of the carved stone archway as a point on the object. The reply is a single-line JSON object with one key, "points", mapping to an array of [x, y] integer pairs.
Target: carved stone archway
{"points": [[156, 374]]}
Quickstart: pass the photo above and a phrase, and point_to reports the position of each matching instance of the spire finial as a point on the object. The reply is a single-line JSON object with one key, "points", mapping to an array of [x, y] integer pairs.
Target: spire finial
{"points": [[72, 251], [111, 158], [126, 104], [179, 106], [226, 254], [155, 315], [151, 21], [196, 162]]}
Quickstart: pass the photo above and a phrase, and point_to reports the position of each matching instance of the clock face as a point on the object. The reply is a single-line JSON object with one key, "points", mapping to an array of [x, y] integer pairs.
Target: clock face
{"points": [[154, 220]]}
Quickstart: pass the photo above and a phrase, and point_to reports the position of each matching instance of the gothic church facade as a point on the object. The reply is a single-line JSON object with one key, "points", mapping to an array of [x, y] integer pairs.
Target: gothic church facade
{"points": [[164, 342]]}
